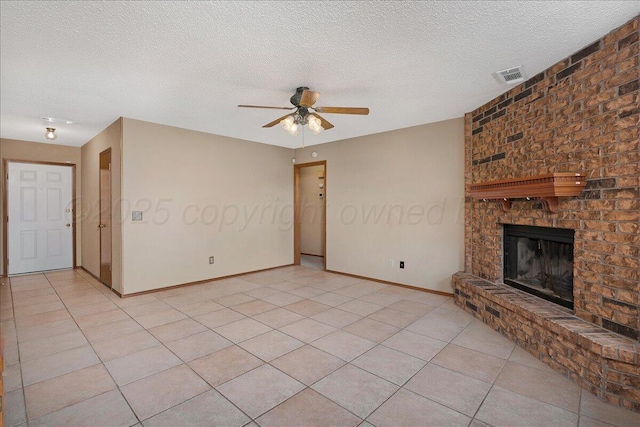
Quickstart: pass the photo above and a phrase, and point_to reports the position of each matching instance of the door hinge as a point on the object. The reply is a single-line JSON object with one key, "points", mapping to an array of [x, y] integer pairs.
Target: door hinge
{"points": [[109, 165]]}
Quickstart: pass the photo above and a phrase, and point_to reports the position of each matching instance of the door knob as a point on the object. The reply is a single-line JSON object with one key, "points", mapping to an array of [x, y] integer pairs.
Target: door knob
{"points": [[68, 225]]}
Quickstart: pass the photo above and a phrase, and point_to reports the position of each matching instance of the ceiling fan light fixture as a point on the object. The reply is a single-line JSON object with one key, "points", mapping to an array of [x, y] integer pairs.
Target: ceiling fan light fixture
{"points": [[50, 134], [290, 124], [315, 125], [287, 123], [306, 114]]}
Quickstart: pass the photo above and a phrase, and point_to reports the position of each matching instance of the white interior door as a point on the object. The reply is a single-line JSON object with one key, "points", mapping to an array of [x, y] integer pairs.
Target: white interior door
{"points": [[40, 213]]}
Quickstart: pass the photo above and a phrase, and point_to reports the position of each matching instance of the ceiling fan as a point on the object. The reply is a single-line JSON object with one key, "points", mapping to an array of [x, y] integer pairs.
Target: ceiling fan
{"points": [[305, 113]]}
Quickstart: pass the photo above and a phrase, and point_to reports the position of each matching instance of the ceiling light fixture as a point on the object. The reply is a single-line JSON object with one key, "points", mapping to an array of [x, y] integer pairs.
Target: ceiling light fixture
{"points": [[292, 123], [50, 134], [315, 125]]}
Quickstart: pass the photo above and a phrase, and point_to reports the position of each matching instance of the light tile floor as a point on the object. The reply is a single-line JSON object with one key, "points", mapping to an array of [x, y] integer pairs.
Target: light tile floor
{"points": [[312, 261], [293, 346]]}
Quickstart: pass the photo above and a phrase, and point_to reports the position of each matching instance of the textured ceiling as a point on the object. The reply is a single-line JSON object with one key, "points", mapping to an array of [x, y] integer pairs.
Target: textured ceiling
{"points": [[188, 64]]}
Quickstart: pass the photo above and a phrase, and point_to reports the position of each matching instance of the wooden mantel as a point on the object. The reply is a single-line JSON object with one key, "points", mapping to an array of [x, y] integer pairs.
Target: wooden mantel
{"points": [[546, 188]]}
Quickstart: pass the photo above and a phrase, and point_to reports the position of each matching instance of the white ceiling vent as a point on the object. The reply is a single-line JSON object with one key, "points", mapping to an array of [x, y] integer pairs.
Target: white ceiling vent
{"points": [[511, 76]]}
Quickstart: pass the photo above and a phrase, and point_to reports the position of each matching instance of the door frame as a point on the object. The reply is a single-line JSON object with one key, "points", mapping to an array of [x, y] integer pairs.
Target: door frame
{"points": [[5, 206], [108, 150], [297, 214]]}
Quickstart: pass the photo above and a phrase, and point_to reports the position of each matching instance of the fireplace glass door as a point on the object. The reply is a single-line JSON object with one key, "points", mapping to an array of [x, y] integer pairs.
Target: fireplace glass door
{"points": [[539, 260]]}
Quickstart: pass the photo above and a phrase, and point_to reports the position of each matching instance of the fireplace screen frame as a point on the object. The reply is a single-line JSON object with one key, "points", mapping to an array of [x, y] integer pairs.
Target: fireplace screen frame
{"points": [[511, 233]]}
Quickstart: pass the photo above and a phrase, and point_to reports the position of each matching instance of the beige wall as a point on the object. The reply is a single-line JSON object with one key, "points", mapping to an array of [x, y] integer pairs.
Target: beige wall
{"points": [[111, 137], [391, 196], [396, 196], [312, 211], [35, 151], [202, 195]]}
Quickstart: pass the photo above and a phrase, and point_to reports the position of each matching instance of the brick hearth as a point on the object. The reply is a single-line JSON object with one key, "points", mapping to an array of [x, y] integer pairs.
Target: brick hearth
{"points": [[597, 359], [581, 115]]}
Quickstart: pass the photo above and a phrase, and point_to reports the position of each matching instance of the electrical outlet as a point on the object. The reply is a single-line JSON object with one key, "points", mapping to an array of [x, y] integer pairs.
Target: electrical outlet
{"points": [[390, 263], [401, 264], [210, 260]]}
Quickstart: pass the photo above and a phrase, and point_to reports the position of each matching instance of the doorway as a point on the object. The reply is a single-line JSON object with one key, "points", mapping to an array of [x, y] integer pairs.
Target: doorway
{"points": [[105, 217], [39, 227], [310, 186]]}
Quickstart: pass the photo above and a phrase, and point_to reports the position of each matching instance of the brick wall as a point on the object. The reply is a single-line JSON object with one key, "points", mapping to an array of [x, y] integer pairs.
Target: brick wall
{"points": [[580, 115], [603, 362]]}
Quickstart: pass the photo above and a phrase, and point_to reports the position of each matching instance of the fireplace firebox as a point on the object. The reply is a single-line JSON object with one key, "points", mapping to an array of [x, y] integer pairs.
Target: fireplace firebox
{"points": [[539, 260]]}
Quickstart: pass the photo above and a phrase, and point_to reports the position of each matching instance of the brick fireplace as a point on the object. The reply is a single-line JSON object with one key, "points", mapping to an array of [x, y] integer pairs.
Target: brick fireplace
{"points": [[579, 116]]}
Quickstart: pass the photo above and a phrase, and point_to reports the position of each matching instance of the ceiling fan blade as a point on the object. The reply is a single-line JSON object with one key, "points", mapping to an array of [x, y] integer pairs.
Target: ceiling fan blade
{"points": [[262, 106], [342, 110], [276, 121], [325, 124], [309, 98]]}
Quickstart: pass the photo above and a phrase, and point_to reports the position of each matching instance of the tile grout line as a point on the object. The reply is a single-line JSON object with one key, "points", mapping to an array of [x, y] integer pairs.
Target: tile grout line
{"points": [[349, 362], [357, 367], [92, 349], [427, 363], [264, 361], [376, 344], [163, 344], [267, 362], [27, 419], [109, 372], [164, 370], [188, 366], [251, 370], [249, 317], [491, 387], [579, 408], [493, 383], [406, 382], [91, 345], [15, 324]]}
